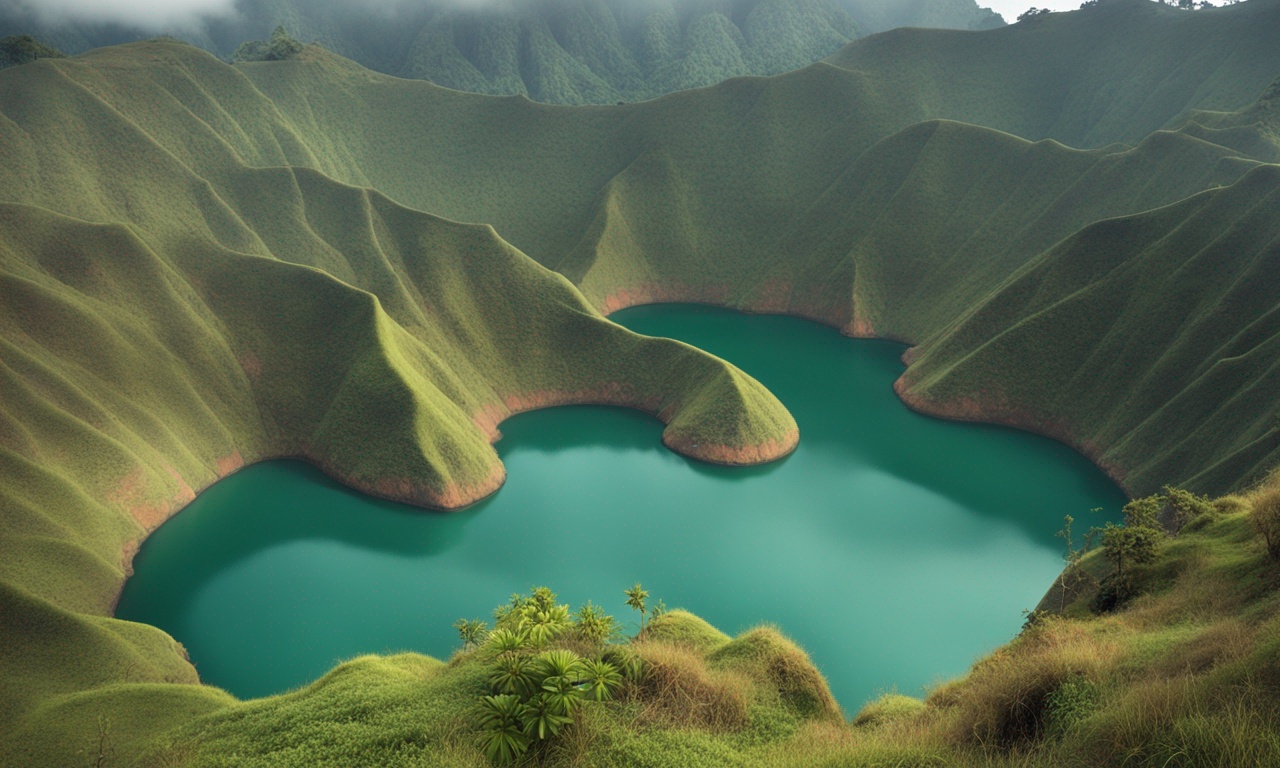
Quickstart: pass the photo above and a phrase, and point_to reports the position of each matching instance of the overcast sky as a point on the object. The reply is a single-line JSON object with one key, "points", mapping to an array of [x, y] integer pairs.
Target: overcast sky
{"points": [[1010, 9], [150, 14], [161, 14]]}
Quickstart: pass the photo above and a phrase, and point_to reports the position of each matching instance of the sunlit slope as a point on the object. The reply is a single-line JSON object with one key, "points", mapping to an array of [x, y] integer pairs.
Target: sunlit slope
{"points": [[162, 326], [1114, 72], [1253, 130], [1164, 330], [896, 237], [782, 194]]}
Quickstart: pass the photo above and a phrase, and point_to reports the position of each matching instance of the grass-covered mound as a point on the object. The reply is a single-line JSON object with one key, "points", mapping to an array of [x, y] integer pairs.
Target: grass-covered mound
{"points": [[689, 696], [1177, 668]]}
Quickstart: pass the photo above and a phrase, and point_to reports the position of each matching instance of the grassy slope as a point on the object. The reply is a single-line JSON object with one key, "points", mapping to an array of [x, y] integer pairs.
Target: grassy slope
{"points": [[192, 329], [840, 215], [1115, 72], [1191, 276], [554, 51], [708, 700]]}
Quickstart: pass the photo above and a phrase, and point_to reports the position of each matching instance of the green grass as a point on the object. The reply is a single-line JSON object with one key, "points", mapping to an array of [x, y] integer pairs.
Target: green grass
{"points": [[1182, 674], [204, 265], [1114, 72]]}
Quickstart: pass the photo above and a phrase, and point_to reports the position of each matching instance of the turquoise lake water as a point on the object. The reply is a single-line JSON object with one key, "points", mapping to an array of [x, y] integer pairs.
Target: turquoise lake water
{"points": [[894, 547]]}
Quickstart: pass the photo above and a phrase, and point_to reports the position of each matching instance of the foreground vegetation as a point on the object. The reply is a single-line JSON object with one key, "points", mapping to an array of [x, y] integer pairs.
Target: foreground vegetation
{"points": [[1182, 671]]}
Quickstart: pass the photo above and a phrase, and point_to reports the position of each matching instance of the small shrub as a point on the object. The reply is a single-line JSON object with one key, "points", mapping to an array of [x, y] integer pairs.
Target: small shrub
{"points": [[280, 47], [678, 689], [1184, 507], [595, 626], [1265, 518], [1112, 595], [1130, 545], [1072, 701], [1144, 512]]}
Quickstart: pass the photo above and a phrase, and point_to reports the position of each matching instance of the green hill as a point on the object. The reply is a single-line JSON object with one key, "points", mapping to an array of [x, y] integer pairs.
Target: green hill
{"points": [[555, 51], [205, 265], [1114, 72]]}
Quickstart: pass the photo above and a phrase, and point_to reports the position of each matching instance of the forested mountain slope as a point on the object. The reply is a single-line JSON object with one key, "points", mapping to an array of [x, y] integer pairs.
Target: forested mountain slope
{"points": [[555, 51], [1113, 72]]}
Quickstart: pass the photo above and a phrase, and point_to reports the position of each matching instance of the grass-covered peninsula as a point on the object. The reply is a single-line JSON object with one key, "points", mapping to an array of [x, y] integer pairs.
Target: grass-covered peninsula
{"points": [[204, 265]]}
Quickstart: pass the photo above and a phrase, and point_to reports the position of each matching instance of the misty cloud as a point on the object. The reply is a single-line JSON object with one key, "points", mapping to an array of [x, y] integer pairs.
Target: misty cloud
{"points": [[161, 15], [147, 14]]}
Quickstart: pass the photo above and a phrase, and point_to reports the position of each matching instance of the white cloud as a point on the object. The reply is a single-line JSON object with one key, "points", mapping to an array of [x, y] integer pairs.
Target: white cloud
{"points": [[1010, 9], [148, 14]]}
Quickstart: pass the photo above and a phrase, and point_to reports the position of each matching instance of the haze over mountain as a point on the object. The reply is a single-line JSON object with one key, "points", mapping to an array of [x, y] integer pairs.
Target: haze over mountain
{"points": [[556, 51]]}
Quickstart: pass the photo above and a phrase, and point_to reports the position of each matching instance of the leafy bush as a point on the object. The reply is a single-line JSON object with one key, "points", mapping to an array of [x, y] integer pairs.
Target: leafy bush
{"points": [[1072, 701], [1265, 518], [20, 49], [536, 688], [280, 47], [1185, 506]]}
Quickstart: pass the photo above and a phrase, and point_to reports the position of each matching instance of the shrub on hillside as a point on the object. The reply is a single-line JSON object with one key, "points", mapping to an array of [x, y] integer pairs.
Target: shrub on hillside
{"points": [[545, 663], [1184, 507], [280, 47], [1265, 517], [20, 49]]}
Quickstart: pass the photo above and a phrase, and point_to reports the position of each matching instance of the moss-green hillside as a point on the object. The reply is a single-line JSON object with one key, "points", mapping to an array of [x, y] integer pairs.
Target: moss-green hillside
{"points": [[170, 313], [553, 51], [1112, 72]]}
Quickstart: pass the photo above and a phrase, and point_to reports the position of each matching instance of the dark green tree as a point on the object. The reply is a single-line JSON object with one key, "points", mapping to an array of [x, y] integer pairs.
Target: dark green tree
{"points": [[1127, 545], [20, 49]]}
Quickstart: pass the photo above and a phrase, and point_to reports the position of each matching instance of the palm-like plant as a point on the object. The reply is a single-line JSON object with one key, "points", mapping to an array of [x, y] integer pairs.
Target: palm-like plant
{"points": [[635, 598], [594, 625], [562, 671], [506, 641], [502, 735], [542, 718], [472, 631], [544, 625], [602, 679], [561, 662], [626, 661], [515, 675]]}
